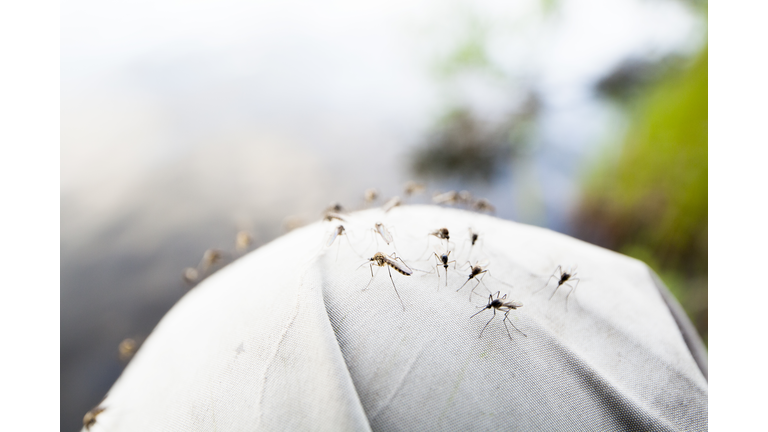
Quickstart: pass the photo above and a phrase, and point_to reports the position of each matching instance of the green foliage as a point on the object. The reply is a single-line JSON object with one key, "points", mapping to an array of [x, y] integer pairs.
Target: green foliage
{"points": [[656, 195], [651, 203]]}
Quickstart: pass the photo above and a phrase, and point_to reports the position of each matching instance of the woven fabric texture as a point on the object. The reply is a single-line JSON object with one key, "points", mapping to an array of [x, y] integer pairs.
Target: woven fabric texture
{"points": [[296, 336]]}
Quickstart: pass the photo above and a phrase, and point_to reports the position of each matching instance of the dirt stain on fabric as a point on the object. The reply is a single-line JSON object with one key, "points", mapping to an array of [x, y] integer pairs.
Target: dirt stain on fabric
{"points": [[454, 391]]}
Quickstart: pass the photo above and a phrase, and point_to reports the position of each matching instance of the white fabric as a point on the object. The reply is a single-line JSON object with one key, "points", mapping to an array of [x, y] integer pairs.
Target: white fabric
{"points": [[286, 338]]}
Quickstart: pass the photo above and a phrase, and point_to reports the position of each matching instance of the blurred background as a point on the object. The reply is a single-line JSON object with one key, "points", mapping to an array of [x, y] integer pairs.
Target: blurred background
{"points": [[184, 123]]}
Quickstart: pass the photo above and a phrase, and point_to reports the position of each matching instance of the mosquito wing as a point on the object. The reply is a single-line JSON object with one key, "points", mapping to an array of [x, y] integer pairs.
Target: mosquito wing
{"points": [[332, 238], [383, 232], [514, 304], [400, 266], [394, 202]]}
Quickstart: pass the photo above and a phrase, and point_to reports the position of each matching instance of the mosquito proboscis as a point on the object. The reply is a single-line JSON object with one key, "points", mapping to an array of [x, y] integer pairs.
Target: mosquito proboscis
{"points": [[500, 304]]}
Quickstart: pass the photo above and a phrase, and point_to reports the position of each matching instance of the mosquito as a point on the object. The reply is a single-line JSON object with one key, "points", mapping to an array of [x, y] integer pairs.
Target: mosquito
{"points": [[332, 238], [383, 232], [90, 417], [127, 349], [190, 275], [411, 188], [565, 277], [381, 260], [502, 305], [392, 203], [475, 271], [464, 197], [334, 207], [451, 197], [371, 195], [330, 216], [443, 260], [243, 240], [484, 205], [442, 234], [211, 257], [473, 238]]}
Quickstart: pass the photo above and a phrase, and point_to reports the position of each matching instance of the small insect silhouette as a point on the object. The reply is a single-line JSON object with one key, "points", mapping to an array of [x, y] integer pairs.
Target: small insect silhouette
{"points": [[127, 349], [464, 197], [411, 188], [451, 197], [371, 195], [190, 275], [330, 216], [473, 236], [392, 203], [339, 231], [443, 260], [90, 417], [502, 305], [441, 233], [383, 232], [475, 271], [564, 278], [483, 205], [243, 240], [334, 207], [211, 257], [381, 260]]}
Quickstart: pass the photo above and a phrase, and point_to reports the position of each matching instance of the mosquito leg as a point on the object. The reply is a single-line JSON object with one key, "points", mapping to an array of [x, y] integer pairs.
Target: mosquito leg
{"points": [[353, 248], [506, 317], [499, 280], [473, 289], [483, 282], [555, 291], [369, 282], [547, 283], [573, 288], [395, 287], [462, 286], [486, 324]]}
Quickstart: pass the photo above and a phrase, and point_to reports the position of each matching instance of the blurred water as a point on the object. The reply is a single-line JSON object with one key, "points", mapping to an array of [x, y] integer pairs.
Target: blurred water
{"points": [[185, 123]]}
